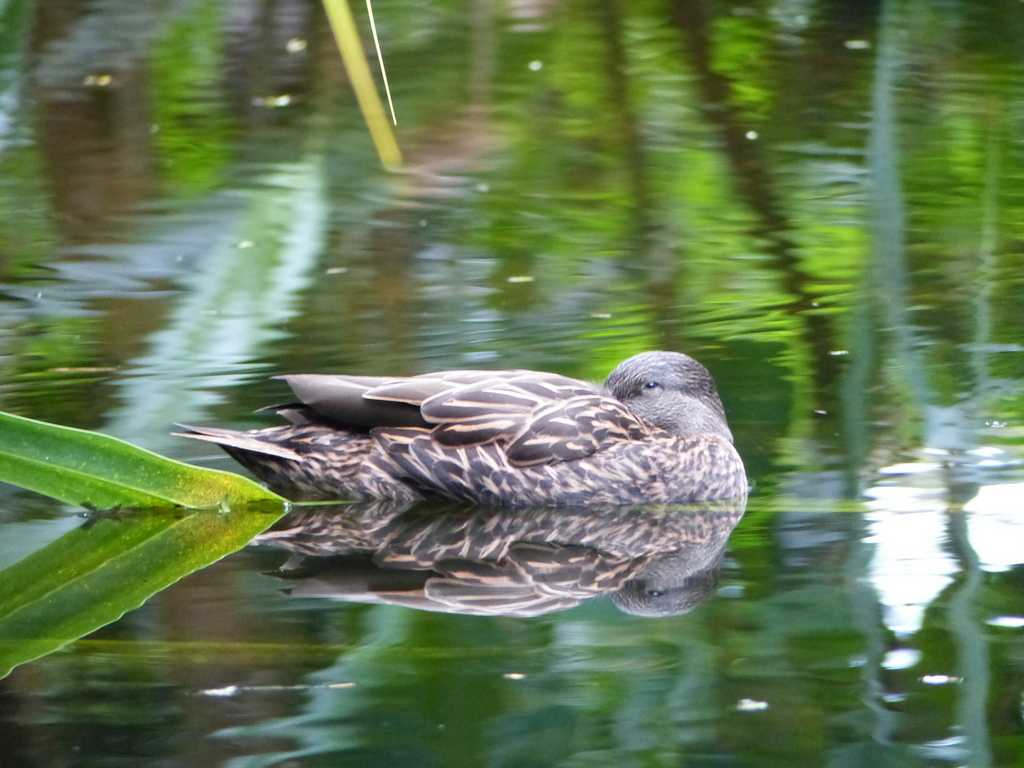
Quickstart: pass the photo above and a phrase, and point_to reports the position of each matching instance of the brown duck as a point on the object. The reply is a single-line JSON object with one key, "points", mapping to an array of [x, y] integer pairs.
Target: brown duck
{"points": [[654, 433]]}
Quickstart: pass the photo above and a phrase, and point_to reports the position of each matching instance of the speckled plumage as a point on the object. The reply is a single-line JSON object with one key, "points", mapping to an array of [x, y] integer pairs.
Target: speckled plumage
{"points": [[655, 433]]}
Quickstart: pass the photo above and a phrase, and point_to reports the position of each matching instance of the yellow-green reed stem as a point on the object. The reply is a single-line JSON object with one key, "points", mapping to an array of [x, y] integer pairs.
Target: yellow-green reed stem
{"points": [[343, 25]]}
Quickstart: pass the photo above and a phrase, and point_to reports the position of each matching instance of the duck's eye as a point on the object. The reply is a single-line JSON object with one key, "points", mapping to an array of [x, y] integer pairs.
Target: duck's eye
{"points": [[652, 385], [655, 593]]}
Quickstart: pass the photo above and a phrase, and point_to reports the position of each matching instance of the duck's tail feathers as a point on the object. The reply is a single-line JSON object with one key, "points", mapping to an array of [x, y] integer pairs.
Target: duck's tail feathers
{"points": [[244, 441]]}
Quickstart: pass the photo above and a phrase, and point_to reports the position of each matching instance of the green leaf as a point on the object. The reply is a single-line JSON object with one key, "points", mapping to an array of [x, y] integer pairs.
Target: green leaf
{"points": [[91, 576], [94, 470]]}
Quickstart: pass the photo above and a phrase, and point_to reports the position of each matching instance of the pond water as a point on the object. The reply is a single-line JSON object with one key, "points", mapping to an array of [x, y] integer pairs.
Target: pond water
{"points": [[822, 202]]}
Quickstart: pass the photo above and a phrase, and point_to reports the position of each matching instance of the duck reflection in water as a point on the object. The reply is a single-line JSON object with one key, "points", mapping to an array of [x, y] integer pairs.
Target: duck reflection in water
{"points": [[655, 433], [653, 560]]}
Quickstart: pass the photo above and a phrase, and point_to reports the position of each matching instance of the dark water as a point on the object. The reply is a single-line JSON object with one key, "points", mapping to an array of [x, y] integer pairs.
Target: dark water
{"points": [[821, 201]]}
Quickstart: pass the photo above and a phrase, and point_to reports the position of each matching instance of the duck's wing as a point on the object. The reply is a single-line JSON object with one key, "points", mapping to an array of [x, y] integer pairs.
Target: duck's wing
{"points": [[529, 417], [375, 401], [498, 409], [458, 401], [573, 429], [483, 428], [534, 419]]}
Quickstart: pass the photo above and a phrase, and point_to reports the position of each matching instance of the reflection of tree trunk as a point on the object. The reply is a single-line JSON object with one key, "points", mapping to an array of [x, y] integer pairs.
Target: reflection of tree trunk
{"points": [[973, 657], [394, 286], [96, 146], [755, 187], [868, 621], [853, 392], [659, 264], [983, 385], [625, 120], [18, 694], [483, 46], [94, 127]]}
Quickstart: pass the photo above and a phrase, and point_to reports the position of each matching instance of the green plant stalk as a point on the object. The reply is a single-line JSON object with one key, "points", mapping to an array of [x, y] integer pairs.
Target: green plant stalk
{"points": [[343, 24]]}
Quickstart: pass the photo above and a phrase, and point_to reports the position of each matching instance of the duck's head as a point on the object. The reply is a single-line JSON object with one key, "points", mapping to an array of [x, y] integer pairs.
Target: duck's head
{"points": [[670, 390]]}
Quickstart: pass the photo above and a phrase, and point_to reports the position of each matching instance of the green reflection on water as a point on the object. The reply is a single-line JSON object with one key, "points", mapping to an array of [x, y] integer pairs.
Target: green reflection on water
{"points": [[584, 183]]}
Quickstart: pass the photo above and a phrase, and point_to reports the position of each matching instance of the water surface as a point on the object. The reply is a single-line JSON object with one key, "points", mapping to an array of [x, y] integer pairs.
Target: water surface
{"points": [[821, 202]]}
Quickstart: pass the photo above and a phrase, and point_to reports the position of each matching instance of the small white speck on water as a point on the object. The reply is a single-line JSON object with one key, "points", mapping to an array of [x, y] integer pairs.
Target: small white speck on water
{"points": [[901, 658], [751, 705], [226, 691], [940, 679]]}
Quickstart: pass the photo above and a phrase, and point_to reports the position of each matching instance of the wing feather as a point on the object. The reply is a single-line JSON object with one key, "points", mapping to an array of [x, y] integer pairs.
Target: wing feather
{"points": [[415, 389], [573, 429], [387, 401], [497, 408], [342, 399], [480, 430]]}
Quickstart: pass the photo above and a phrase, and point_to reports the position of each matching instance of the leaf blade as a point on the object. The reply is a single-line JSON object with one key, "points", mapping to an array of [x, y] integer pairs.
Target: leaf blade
{"points": [[92, 469]]}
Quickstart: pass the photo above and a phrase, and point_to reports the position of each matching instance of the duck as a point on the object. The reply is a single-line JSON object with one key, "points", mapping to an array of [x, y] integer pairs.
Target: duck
{"points": [[654, 433]]}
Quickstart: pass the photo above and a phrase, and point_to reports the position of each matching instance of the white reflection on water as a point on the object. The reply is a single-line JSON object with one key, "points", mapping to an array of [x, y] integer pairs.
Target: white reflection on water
{"points": [[906, 520], [995, 526], [901, 658], [908, 523], [910, 566]]}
